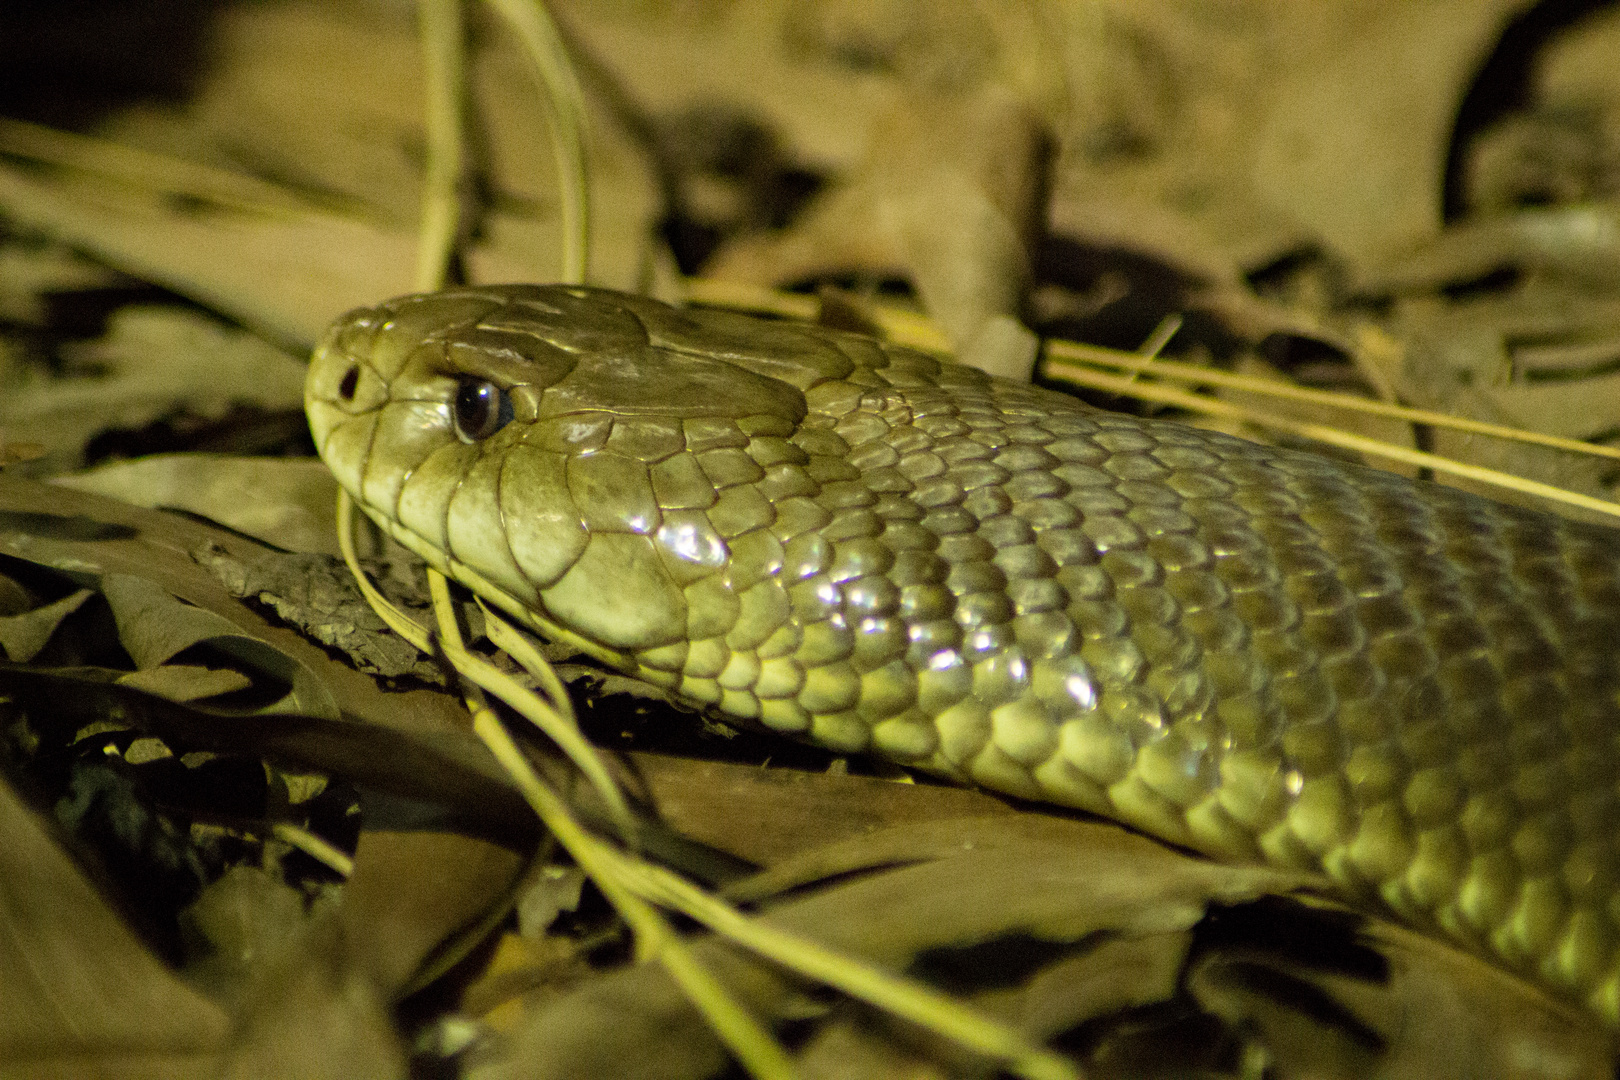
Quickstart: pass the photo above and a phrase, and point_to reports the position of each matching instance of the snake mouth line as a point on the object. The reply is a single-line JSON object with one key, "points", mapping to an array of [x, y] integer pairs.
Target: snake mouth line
{"points": [[456, 570]]}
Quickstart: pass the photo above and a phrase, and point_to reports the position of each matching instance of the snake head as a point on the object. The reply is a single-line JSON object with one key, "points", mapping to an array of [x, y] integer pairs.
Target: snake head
{"points": [[566, 452]]}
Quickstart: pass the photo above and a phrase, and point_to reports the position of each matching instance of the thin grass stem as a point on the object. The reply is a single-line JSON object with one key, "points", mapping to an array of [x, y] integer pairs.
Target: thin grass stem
{"points": [[1336, 437], [1097, 356], [753, 1046], [444, 91], [565, 107]]}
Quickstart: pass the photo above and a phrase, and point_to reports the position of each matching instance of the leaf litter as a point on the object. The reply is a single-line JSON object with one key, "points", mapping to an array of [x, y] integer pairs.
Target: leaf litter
{"points": [[1164, 200]]}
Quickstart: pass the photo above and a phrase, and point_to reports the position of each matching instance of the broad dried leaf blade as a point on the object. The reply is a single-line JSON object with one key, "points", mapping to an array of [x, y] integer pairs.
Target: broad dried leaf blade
{"points": [[79, 994]]}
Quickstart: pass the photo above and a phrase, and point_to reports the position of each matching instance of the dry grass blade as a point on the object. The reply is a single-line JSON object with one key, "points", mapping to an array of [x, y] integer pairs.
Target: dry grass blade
{"points": [[397, 621], [1168, 327], [754, 1047], [1148, 364], [510, 640], [903, 997], [445, 75], [1334, 437], [145, 170], [506, 637], [565, 106], [322, 851], [903, 327], [561, 727]]}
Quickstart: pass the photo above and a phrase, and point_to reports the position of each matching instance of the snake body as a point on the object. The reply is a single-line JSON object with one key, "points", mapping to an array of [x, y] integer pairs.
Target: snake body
{"points": [[1256, 653]]}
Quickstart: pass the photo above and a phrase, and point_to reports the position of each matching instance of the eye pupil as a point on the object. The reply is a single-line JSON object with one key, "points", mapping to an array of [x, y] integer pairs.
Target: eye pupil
{"points": [[481, 409]]}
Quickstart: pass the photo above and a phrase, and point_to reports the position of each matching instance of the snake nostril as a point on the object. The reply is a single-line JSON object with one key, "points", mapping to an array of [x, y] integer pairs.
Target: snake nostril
{"points": [[351, 382]]}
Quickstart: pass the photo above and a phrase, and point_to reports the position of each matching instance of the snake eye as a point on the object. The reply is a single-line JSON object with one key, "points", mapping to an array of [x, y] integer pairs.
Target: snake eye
{"points": [[481, 409]]}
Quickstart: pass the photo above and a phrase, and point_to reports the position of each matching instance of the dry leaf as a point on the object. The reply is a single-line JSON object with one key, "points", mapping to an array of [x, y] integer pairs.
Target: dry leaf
{"points": [[1578, 244], [242, 919], [88, 534], [952, 195], [312, 1013], [79, 994], [152, 362], [155, 626], [769, 815], [1460, 358], [285, 502], [23, 635], [410, 891], [34, 270], [317, 594], [185, 682], [282, 97], [1356, 146], [997, 884]]}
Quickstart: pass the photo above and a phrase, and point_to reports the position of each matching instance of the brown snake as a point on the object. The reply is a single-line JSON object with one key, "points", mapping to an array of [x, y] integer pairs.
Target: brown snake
{"points": [[1257, 653]]}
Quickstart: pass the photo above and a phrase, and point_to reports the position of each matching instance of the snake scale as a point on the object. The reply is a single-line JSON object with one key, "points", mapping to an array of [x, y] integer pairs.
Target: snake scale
{"points": [[1257, 653]]}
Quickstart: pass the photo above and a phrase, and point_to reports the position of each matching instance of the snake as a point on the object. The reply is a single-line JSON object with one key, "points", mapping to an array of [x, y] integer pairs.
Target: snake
{"points": [[1259, 653]]}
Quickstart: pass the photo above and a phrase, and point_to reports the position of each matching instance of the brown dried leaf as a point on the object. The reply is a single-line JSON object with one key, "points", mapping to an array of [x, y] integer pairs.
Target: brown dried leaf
{"points": [[185, 682], [1437, 1012], [1462, 1017], [88, 534], [1018, 875], [343, 141], [1355, 146], [1005, 877], [154, 626], [316, 594], [23, 635], [411, 742], [1111, 976], [310, 997], [285, 277], [152, 362], [79, 994], [411, 891], [313, 1013], [770, 815], [414, 768], [1462, 359], [952, 194], [244, 918], [1578, 244], [286, 502], [673, 58], [30, 273]]}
